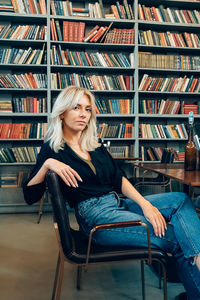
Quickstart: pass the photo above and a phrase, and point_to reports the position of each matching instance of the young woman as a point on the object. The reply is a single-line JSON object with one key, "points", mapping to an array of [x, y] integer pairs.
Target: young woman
{"points": [[91, 181]]}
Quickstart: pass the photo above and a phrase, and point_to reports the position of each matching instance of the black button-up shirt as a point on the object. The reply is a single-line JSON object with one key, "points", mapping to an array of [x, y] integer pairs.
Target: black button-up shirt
{"points": [[108, 175]]}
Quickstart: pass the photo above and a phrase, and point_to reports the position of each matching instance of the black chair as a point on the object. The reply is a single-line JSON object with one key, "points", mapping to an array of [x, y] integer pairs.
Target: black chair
{"points": [[75, 248], [159, 180]]}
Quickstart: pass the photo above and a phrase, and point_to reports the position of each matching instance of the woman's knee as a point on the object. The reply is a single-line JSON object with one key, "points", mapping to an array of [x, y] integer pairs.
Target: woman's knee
{"points": [[180, 198]]}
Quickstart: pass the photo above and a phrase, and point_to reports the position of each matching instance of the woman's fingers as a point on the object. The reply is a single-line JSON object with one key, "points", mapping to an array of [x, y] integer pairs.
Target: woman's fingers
{"points": [[76, 174], [70, 176], [154, 216], [159, 225]]}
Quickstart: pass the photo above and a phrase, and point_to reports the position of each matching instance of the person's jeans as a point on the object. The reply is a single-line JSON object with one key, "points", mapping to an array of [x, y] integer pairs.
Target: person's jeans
{"points": [[182, 237]]}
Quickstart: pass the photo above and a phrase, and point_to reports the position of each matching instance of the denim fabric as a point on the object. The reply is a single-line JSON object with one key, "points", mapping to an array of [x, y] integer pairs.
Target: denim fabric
{"points": [[182, 237]]}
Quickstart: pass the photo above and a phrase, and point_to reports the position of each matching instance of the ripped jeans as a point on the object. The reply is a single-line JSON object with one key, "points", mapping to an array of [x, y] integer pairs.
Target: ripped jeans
{"points": [[182, 237]]}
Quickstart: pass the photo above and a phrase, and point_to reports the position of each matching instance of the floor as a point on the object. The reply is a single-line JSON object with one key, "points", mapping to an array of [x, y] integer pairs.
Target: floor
{"points": [[28, 255]]}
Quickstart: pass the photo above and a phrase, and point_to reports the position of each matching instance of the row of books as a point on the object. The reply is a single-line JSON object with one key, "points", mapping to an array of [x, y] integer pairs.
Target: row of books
{"points": [[169, 61], [92, 82], [14, 180], [151, 153], [157, 131], [114, 106], [29, 6], [22, 56], [22, 130], [167, 106], [25, 81], [155, 154], [159, 106], [115, 130], [188, 107], [29, 104], [6, 7], [18, 154], [120, 36], [122, 151], [23, 32], [69, 31], [171, 39], [170, 84], [24, 105], [81, 58], [94, 10], [6, 106], [169, 14]]}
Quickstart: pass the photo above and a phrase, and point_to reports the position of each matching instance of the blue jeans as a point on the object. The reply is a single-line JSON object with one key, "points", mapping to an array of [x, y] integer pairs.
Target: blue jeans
{"points": [[182, 237]]}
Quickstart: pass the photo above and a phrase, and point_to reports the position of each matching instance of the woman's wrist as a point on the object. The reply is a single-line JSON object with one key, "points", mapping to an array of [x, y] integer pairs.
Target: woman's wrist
{"points": [[47, 163], [144, 203]]}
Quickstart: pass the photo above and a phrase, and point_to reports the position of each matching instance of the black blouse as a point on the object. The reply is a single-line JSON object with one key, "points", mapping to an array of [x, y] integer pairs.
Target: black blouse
{"points": [[108, 175]]}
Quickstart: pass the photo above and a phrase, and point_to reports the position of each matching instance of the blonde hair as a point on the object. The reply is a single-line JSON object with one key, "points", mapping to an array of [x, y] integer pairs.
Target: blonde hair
{"points": [[66, 100]]}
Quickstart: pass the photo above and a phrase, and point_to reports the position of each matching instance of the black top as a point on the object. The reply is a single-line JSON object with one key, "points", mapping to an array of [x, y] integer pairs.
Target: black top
{"points": [[108, 175]]}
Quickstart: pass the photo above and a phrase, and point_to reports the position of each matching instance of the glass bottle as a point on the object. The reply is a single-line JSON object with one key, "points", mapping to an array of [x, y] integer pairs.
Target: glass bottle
{"points": [[190, 149]]}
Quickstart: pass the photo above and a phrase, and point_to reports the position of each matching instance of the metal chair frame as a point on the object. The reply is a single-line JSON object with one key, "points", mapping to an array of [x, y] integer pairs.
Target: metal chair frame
{"points": [[67, 248]]}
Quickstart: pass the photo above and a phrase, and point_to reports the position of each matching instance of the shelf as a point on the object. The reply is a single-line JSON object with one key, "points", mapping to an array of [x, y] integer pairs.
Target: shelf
{"points": [[32, 18], [91, 21], [164, 26], [22, 90], [174, 3], [23, 114], [163, 140], [100, 46], [115, 116], [22, 42], [168, 71], [102, 92], [163, 116], [118, 139], [93, 69], [161, 49], [170, 93], [18, 164], [23, 66], [21, 140]]}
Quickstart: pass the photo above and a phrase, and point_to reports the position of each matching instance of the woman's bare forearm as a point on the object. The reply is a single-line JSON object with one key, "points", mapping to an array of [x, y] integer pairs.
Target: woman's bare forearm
{"points": [[68, 175], [130, 192], [40, 176], [151, 213]]}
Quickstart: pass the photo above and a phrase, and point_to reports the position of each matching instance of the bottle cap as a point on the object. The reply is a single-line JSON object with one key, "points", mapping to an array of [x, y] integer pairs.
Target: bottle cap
{"points": [[191, 118]]}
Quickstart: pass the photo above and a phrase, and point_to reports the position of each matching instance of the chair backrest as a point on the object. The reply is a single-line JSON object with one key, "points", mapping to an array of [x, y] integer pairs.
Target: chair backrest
{"points": [[60, 211], [167, 157]]}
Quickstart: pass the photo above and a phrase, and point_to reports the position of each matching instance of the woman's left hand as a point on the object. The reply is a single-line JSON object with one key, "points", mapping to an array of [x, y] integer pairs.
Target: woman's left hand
{"points": [[154, 216]]}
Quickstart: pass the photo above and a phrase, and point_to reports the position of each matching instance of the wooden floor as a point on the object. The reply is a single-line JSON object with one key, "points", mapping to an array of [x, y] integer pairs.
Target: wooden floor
{"points": [[28, 254]]}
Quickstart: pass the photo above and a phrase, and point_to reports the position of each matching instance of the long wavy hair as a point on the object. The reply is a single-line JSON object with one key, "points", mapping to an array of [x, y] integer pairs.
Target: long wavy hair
{"points": [[66, 100]]}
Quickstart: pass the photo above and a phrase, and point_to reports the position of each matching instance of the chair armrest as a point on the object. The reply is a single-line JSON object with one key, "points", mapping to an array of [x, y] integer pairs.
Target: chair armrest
{"points": [[118, 225]]}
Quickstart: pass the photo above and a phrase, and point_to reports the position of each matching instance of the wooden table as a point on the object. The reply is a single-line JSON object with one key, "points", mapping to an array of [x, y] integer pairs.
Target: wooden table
{"points": [[175, 171]]}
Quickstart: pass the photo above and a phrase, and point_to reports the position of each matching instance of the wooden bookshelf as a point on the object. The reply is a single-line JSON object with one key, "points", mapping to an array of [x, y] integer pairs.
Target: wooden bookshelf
{"points": [[135, 71]]}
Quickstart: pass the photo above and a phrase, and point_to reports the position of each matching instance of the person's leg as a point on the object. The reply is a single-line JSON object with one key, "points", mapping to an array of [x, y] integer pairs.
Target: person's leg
{"points": [[105, 210], [178, 209]]}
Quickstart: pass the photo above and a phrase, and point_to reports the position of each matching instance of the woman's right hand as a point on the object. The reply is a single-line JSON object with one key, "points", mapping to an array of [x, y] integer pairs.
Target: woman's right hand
{"points": [[68, 175]]}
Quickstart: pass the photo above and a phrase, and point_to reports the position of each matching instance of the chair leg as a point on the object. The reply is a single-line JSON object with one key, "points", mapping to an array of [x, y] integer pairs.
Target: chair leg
{"points": [[162, 266], [143, 280], [58, 278], [160, 276], [40, 209], [79, 275]]}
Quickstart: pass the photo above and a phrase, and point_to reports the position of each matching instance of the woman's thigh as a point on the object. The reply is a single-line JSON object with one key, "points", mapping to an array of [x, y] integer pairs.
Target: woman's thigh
{"points": [[134, 236], [167, 203]]}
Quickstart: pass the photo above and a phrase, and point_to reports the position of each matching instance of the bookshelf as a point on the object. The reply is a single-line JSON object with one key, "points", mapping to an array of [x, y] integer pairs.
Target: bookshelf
{"points": [[65, 59], [163, 50]]}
